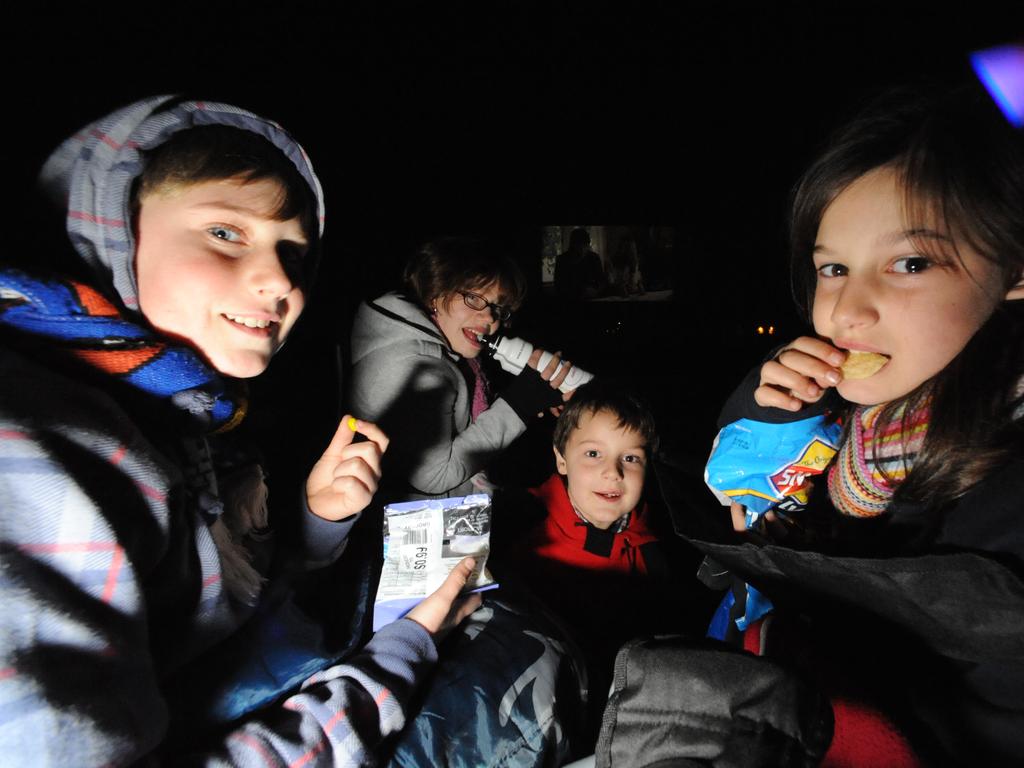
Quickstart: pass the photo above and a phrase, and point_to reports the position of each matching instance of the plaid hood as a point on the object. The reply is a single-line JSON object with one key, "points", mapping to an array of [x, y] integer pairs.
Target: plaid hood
{"points": [[92, 175]]}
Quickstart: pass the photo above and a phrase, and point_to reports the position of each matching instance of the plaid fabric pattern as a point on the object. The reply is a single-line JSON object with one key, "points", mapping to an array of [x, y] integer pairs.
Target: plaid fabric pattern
{"points": [[78, 320], [110, 580], [79, 680]]}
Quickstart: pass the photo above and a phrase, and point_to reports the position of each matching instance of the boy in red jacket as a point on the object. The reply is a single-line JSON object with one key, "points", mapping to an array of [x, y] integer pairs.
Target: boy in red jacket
{"points": [[595, 559], [594, 518]]}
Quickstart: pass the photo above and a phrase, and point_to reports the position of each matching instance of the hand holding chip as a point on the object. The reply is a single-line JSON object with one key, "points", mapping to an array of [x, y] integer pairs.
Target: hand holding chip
{"points": [[800, 374]]}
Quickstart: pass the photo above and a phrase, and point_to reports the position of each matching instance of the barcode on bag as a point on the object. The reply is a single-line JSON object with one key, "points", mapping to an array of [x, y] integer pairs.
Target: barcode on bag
{"points": [[415, 536]]}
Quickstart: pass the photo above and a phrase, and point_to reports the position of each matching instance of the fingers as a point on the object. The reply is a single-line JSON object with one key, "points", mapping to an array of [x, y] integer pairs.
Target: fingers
{"points": [[769, 397], [551, 367], [361, 460], [349, 494], [739, 517], [457, 579], [442, 609], [818, 348], [372, 432], [346, 432], [358, 470], [462, 608], [343, 436], [784, 387], [557, 380], [799, 374], [342, 450], [815, 359], [556, 370], [345, 478], [368, 453]]}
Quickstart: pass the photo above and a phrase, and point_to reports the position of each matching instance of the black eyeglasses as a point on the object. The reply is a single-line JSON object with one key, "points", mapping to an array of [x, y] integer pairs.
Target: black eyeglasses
{"points": [[478, 302]]}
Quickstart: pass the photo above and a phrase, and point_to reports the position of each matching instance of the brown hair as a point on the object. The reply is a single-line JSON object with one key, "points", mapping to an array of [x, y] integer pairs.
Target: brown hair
{"points": [[442, 267], [218, 152], [596, 396], [959, 162]]}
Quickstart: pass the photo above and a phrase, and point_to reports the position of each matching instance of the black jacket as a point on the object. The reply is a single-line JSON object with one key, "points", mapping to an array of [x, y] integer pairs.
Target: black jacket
{"points": [[922, 610], [926, 606]]}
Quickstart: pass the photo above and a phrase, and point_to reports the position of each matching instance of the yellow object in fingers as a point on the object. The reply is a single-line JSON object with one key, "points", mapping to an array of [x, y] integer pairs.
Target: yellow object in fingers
{"points": [[861, 365]]}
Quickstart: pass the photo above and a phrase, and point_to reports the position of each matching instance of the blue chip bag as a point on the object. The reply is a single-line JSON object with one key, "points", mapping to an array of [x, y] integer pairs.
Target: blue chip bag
{"points": [[765, 466]]}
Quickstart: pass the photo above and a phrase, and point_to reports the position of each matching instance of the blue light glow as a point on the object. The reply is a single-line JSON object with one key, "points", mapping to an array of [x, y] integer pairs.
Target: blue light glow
{"points": [[1002, 72]]}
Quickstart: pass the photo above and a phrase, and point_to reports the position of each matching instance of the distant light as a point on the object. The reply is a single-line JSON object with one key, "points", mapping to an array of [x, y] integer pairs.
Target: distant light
{"points": [[771, 329], [760, 330], [1002, 72]]}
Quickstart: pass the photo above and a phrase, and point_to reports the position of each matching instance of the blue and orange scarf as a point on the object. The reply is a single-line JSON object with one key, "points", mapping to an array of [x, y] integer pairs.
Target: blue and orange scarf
{"points": [[78, 320]]}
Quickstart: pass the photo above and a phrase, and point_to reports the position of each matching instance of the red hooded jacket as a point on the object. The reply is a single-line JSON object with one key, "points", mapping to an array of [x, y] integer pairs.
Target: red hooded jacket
{"points": [[566, 539]]}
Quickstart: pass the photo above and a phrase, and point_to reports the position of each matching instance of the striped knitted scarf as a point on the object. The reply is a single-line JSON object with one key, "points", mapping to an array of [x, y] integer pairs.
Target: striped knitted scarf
{"points": [[861, 482], [77, 320]]}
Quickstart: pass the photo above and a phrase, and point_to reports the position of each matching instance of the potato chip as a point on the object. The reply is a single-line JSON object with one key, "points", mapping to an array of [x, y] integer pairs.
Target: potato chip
{"points": [[860, 365]]}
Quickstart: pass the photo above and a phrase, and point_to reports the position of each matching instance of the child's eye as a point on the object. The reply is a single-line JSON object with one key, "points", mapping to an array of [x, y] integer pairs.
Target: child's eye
{"points": [[910, 265], [632, 458], [591, 454], [832, 270], [222, 232]]}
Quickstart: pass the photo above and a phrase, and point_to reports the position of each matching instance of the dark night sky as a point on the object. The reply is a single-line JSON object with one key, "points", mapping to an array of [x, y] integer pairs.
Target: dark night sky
{"points": [[503, 116], [517, 110]]}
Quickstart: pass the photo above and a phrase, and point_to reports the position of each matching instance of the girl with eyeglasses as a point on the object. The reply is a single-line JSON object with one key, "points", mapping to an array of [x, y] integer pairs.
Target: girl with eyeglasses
{"points": [[416, 370], [416, 373]]}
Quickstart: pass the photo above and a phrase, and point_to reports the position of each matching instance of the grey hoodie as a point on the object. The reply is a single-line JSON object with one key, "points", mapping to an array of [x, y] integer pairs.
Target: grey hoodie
{"points": [[405, 377]]}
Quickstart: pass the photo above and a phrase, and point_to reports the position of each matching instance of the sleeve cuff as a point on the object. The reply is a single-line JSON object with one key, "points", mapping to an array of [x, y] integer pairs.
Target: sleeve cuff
{"points": [[324, 540], [741, 405]]}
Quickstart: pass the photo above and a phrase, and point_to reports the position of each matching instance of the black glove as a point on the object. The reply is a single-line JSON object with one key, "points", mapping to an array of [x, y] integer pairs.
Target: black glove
{"points": [[529, 394]]}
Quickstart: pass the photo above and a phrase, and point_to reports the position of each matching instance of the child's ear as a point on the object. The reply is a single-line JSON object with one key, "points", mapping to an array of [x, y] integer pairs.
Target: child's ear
{"points": [[560, 462], [1017, 289]]}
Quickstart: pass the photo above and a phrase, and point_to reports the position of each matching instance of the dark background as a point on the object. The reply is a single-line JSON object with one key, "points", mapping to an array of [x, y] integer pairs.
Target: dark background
{"points": [[495, 118]]}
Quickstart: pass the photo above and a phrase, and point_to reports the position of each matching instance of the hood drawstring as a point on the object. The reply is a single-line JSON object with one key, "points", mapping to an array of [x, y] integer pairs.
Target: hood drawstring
{"points": [[630, 553]]}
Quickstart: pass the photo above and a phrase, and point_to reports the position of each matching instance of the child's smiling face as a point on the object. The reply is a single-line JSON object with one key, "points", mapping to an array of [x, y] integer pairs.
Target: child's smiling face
{"points": [[216, 270], [604, 464], [877, 291]]}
